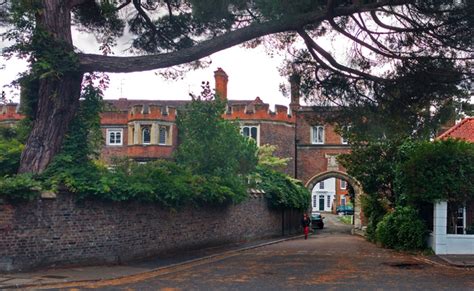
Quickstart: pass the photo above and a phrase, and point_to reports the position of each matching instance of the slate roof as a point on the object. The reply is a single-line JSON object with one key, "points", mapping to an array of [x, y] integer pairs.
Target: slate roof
{"points": [[124, 104], [463, 130]]}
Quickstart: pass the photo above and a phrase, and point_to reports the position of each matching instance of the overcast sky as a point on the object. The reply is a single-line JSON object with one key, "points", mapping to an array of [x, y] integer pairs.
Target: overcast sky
{"points": [[252, 73]]}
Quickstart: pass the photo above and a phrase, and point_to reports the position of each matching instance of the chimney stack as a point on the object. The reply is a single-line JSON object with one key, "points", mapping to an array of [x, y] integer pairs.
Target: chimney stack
{"points": [[295, 81], [221, 79]]}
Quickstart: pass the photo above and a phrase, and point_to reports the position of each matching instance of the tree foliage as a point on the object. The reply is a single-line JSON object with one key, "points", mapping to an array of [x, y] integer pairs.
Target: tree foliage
{"points": [[388, 41], [282, 191], [211, 145], [433, 171]]}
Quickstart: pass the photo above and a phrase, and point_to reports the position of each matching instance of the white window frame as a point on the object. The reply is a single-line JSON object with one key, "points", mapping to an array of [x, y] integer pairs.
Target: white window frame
{"points": [[109, 131], [314, 134], [321, 185], [250, 126], [345, 140], [343, 184]]}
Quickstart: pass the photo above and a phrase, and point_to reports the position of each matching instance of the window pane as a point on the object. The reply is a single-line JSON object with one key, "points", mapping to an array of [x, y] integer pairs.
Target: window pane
{"points": [[162, 135], [455, 219], [321, 185], [254, 133], [114, 137], [320, 134], [245, 131], [146, 135], [343, 184]]}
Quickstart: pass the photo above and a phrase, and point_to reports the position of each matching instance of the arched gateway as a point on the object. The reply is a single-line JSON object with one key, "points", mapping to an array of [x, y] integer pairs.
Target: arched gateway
{"points": [[311, 183]]}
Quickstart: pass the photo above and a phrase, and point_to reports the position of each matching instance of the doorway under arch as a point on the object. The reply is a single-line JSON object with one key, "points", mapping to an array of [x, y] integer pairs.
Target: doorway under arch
{"points": [[358, 191]]}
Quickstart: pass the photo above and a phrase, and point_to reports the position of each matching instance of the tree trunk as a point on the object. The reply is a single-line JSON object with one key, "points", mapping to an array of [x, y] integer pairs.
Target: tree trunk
{"points": [[58, 96], [57, 105]]}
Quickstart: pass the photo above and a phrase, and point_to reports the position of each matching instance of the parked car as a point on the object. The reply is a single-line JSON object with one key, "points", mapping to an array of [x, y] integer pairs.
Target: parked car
{"points": [[345, 209], [317, 220]]}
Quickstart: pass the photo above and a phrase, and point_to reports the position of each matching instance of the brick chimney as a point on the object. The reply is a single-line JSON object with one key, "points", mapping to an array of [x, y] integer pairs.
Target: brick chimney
{"points": [[221, 79], [295, 80]]}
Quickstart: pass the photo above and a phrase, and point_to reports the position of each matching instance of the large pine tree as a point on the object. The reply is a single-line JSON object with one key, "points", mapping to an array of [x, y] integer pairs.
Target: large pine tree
{"points": [[171, 32]]}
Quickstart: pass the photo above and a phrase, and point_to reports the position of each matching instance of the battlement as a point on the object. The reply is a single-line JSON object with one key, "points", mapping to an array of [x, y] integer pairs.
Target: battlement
{"points": [[145, 112], [259, 111], [10, 113]]}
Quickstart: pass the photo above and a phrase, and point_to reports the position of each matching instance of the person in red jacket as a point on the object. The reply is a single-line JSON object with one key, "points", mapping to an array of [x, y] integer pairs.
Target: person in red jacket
{"points": [[305, 222]]}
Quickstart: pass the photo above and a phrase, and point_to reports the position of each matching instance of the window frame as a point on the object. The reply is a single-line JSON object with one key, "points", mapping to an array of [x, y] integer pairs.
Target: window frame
{"points": [[109, 131], [143, 128], [321, 185], [250, 126], [167, 132], [344, 140], [343, 182], [314, 134]]}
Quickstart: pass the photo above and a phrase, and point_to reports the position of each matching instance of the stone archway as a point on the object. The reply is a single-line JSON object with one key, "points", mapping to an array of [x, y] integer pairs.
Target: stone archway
{"points": [[353, 182]]}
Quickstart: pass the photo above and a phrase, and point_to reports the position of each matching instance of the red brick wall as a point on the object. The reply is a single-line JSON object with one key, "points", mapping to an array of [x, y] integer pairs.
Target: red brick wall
{"points": [[283, 136], [63, 231], [312, 158]]}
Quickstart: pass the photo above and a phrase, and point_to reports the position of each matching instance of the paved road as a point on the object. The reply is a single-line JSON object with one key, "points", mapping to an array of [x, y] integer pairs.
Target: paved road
{"points": [[330, 259]]}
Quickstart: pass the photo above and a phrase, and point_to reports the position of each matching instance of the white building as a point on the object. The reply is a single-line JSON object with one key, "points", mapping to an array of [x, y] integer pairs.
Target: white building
{"points": [[453, 224], [323, 195]]}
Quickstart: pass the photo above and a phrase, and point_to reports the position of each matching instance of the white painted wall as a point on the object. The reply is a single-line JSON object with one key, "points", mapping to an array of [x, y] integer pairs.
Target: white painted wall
{"points": [[448, 244], [328, 192]]}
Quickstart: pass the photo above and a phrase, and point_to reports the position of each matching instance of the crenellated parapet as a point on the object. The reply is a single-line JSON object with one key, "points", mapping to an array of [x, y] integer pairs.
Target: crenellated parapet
{"points": [[10, 113], [260, 112], [152, 112]]}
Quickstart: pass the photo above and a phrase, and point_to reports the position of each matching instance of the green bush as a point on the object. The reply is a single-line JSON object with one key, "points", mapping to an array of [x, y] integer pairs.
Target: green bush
{"points": [[20, 187], [402, 230], [283, 191], [10, 152], [374, 209]]}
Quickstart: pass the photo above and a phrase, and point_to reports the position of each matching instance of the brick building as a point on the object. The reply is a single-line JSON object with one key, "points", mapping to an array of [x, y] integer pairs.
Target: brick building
{"points": [[146, 129]]}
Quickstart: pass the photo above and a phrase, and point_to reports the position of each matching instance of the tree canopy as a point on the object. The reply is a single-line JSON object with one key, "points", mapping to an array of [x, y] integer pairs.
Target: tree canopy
{"points": [[433, 171], [388, 41]]}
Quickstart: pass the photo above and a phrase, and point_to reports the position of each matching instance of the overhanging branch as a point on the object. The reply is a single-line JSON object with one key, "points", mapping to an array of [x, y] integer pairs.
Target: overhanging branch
{"points": [[114, 64]]}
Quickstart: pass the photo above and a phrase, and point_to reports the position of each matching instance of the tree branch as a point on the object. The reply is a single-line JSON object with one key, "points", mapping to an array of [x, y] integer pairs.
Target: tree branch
{"points": [[123, 5], [114, 64], [312, 44]]}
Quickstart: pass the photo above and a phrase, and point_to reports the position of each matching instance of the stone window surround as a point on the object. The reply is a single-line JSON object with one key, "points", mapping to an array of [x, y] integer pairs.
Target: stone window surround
{"points": [[135, 130]]}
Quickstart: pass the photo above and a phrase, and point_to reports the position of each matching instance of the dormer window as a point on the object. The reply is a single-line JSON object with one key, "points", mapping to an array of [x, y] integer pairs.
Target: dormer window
{"points": [[318, 134]]}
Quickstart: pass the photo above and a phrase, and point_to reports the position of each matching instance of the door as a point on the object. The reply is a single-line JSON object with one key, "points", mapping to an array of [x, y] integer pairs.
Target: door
{"points": [[321, 202]]}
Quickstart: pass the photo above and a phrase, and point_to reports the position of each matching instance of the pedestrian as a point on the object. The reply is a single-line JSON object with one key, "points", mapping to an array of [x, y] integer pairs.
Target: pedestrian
{"points": [[305, 222]]}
